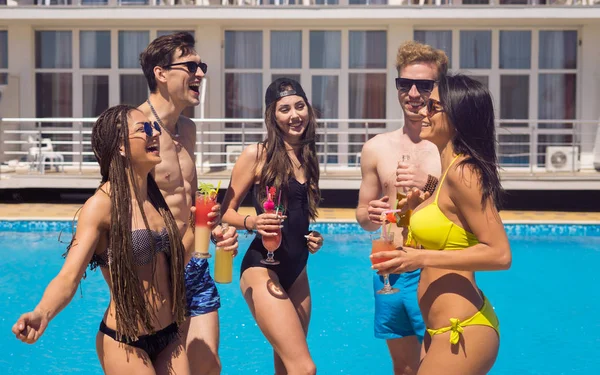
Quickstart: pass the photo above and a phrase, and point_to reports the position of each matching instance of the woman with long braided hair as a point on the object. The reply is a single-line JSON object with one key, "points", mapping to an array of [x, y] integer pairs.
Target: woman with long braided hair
{"points": [[127, 230]]}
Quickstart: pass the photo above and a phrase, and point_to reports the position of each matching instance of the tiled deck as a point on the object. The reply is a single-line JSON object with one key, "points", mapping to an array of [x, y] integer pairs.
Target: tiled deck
{"points": [[31, 211]]}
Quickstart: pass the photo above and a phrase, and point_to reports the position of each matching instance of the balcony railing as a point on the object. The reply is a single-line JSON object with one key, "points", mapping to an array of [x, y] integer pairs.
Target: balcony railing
{"points": [[35, 145], [312, 3]]}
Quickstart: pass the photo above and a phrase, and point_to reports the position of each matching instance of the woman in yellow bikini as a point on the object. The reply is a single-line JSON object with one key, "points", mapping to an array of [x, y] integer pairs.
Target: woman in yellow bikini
{"points": [[458, 231]]}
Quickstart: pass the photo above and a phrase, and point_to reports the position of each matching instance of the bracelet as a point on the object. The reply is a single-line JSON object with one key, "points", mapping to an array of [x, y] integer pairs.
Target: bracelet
{"points": [[213, 239], [248, 231], [431, 184]]}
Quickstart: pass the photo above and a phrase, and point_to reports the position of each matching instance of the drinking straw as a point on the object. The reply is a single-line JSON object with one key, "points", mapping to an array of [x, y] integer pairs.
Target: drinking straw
{"points": [[278, 201], [267, 187], [218, 186], [383, 229]]}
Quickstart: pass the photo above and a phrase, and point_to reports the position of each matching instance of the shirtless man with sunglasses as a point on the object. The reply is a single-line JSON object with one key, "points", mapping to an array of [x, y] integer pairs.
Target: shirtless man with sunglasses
{"points": [[397, 316], [174, 72]]}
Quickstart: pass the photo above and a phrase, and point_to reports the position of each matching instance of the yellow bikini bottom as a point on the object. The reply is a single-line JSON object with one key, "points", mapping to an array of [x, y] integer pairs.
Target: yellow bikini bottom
{"points": [[484, 317]]}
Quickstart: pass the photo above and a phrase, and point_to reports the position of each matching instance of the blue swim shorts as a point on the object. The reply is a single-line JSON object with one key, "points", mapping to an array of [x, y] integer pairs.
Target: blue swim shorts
{"points": [[398, 315], [200, 289]]}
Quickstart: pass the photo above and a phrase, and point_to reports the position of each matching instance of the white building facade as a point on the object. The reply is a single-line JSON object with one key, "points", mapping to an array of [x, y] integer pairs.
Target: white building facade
{"points": [[540, 62]]}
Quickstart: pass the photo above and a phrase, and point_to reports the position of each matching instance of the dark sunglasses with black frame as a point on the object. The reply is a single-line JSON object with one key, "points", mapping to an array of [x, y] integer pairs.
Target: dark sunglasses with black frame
{"points": [[423, 85], [192, 66]]}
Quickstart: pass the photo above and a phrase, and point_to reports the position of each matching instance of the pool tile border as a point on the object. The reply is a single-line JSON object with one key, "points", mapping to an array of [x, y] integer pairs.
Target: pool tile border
{"points": [[340, 227]]}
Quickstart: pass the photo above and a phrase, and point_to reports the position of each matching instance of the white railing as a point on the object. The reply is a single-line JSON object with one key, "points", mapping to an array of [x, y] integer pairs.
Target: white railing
{"points": [[37, 144], [302, 3]]}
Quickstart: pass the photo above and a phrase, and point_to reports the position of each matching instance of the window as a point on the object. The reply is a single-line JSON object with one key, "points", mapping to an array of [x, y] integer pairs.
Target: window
{"points": [[366, 84], [515, 49], [476, 49], [54, 83], [286, 49], [95, 100], [94, 49], [368, 49], [325, 49], [243, 49], [53, 49], [133, 89], [325, 102], [440, 39], [557, 87], [131, 44], [243, 83]]}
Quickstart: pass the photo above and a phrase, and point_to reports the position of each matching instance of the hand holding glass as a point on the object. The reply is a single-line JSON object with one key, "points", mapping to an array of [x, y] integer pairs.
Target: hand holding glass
{"points": [[383, 243]]}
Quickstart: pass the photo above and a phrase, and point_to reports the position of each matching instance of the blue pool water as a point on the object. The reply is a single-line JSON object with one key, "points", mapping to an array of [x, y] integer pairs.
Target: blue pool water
{"points": [[547, 303]]}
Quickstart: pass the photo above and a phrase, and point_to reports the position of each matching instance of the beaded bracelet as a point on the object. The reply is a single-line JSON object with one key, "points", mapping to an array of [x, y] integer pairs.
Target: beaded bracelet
{"points": [[431, 184]]}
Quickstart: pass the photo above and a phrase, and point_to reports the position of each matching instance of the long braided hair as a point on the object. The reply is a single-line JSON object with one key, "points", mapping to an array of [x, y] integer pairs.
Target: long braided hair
{"points": [[109, 133], [278, 168]]}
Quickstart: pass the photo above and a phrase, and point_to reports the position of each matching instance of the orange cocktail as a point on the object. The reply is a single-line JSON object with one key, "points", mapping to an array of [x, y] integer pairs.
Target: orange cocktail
{"points": [[379, 244], [206, 198]]}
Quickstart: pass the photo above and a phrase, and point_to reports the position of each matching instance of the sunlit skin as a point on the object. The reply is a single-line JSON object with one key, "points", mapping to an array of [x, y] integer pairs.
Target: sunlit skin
{"points": [[435, 126], [413, 100], [93, 237], [182, 85], [291, 115], [383, 173], [144, 150], [176, 177], [447, 287]]}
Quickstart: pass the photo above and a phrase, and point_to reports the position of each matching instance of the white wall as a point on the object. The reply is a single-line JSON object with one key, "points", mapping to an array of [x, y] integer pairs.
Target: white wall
{"points": [[590, 90], [21, 64], [209, 40]]}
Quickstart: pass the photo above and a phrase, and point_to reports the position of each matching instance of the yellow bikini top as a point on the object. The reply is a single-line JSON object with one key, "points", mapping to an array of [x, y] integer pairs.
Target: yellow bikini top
{"points": [[431, 229]]}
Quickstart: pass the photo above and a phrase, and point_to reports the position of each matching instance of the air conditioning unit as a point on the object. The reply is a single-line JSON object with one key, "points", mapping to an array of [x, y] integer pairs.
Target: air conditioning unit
{"points": [[562, 158], [232, 152]]}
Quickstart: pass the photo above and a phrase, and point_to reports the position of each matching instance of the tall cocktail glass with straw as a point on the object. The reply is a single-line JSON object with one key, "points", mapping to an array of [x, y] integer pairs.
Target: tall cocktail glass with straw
{"points": [[206, 198], [384, 242], [272, 243]]}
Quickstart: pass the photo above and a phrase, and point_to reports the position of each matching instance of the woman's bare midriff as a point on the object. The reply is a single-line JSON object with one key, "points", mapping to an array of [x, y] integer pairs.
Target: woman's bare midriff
{"points": [[157, 294], [445, 294]]}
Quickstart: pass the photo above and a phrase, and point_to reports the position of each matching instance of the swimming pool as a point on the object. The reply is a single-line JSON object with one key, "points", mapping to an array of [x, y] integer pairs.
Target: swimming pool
{"points": [[547, 303]]}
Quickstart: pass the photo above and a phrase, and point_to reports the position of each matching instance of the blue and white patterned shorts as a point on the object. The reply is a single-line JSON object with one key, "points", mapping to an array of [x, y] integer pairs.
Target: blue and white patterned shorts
{"points": [[200, 289]]}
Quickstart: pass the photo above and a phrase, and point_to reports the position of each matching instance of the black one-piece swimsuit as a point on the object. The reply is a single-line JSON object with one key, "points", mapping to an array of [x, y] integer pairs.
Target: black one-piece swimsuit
{"points": [[293, 252]]}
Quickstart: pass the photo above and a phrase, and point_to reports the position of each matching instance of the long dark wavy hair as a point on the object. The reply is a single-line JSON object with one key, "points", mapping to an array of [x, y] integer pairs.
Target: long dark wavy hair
{"points": [[109, 133], [278, 169], [469, 107]]}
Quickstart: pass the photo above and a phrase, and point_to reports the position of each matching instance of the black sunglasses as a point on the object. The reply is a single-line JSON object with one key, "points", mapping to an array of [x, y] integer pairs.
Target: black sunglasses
{"points": [[148, 128], [423, 85], [192, 66], [433, 107]]}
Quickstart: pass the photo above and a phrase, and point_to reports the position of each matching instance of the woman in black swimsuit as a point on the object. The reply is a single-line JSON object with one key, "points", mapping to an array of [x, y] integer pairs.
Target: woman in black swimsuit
{"points": [[279, 295], [127, 230]]}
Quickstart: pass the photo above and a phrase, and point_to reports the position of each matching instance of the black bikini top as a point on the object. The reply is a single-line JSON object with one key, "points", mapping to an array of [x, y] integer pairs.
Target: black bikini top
{"points": [[142, 248]]}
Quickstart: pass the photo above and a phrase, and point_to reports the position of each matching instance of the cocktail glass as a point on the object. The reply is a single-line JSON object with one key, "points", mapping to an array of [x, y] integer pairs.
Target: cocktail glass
{"points": [[271, 243], [205, 202], [383, 243]]}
